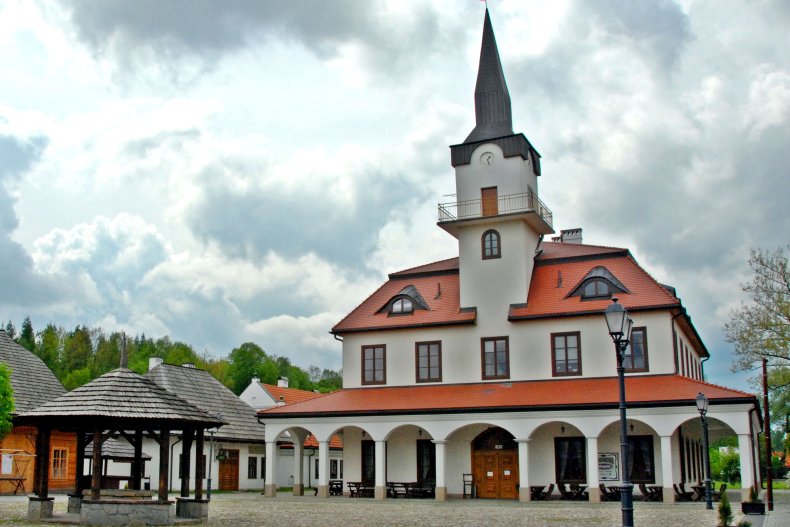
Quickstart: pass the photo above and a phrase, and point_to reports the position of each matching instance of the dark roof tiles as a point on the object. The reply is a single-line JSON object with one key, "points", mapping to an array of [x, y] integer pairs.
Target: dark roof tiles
{"points": [[32, 381]]}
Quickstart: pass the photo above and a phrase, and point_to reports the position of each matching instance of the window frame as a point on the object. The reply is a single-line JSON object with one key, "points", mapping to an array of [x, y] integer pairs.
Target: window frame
{"points": [[635, 441], [646, 367], [565, 335], [483, 341], [494, 254], [61, 471], [579, 447], [401, 298], [428, 344], [374, 347], [252, 467], [610, 287]]}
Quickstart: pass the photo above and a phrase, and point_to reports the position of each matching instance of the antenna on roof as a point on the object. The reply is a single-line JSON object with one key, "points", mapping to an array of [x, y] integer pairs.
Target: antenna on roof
{"points": [[124, 356]]}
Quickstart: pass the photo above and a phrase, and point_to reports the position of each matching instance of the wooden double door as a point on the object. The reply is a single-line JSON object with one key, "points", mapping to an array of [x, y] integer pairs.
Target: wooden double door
{"points": [[229, 471], [495, 473]]}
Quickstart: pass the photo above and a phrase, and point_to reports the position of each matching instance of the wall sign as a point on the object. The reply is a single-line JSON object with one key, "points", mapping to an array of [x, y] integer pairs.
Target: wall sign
{"points": [[608, 466]]}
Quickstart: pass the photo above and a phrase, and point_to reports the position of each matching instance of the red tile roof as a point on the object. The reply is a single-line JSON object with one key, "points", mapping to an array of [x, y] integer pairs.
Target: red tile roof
{"points": [[573, 261], [440, 291], [289, 395], [553, 281], [646, 390]]}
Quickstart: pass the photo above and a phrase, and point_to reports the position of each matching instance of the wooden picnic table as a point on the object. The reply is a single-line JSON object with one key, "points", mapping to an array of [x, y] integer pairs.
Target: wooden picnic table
{"points": [[18, 482], [357, 489]]}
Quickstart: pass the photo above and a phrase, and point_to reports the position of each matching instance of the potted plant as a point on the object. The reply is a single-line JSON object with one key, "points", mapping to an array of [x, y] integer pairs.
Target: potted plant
{"points": [[725, 512], [753, 505]]}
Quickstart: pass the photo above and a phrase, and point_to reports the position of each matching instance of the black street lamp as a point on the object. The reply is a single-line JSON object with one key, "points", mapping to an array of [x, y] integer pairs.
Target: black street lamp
{"points": [[620, 325], [702, 406]]}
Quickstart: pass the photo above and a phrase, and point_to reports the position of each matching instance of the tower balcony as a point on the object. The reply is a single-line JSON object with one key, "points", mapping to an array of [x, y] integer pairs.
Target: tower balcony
{"points": [[526, 205]]}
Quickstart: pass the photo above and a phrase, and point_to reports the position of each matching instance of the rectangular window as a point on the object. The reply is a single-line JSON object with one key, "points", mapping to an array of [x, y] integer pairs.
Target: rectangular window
{"points": [[59, 469], [570, 459], [333, 469], [641, 468], [316, 470], [374, 364], [368, 462], [496, 358], [252, 467], [635, 356], [566, 353], [429, 361], [426, 461]]}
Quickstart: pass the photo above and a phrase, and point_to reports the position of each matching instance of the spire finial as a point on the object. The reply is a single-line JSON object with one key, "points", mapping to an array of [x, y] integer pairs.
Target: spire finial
{"points": [[124, 356], [493, 115]]}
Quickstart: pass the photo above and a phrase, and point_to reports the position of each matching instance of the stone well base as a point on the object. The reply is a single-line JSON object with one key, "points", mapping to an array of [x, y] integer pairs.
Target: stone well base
{"points": [[75, 503], [190, 508], [39, 508], [126, 512]]}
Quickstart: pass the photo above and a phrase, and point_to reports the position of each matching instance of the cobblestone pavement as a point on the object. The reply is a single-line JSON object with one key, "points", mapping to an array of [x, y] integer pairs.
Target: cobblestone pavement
{"points": [[251, 509]]}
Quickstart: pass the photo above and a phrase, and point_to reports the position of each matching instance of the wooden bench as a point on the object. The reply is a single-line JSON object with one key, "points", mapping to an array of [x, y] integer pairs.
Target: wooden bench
{"points": [[335, 487], [357, 489]]}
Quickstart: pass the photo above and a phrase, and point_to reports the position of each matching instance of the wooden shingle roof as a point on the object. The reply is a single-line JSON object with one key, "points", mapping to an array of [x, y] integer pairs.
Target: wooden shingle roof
{"points": [[121, 396], [32, 381], [207, 393], [116, 449]]}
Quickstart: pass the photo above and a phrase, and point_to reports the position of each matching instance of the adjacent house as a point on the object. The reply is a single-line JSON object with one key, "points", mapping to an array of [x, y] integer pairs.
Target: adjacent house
{"points": [[493, 371], [34, 384], [235, 451], [261, 396]]}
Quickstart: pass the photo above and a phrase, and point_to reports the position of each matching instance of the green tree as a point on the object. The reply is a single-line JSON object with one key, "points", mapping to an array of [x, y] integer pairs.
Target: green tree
{"points": [[76, 378], [760, 328], [6, 399], [77, 351], [331, 381], [50, 341], [243, 364], [27, 337], [10, 329]]}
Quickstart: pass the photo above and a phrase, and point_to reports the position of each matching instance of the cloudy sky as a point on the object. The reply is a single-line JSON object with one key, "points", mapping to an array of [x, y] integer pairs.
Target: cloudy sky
{"points": [[225, 171]]}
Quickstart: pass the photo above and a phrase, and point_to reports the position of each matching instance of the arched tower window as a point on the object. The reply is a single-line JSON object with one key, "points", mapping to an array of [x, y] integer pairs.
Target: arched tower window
{"points": [[491, 245]]}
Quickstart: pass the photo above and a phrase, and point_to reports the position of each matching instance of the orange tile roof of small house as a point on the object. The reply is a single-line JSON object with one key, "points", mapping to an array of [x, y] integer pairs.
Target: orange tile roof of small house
{"points": [[289, 395], [439, 284], [552, 394]]}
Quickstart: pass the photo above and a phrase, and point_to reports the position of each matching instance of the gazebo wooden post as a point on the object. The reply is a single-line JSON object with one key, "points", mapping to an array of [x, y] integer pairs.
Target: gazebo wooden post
{"points": [[80, 462], [41, 473], [164, 461], [96, 468], [186, 457], [137, 462], [200, 466]]}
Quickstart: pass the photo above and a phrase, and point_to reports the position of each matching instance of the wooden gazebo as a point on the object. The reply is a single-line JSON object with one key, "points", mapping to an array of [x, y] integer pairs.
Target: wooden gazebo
{"points": [[123, 403]]}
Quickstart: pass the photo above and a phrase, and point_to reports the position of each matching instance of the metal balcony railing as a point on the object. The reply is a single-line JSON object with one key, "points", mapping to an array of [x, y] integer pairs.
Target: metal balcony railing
{"points": [[479, 208]]}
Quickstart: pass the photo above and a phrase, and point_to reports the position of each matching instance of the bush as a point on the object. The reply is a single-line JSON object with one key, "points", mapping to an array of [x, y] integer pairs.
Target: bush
{"points": [[725, 466], [725, 512]]}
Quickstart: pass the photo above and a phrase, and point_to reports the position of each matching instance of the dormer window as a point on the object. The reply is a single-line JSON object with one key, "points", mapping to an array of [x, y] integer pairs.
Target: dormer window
{"points": [[405, 302], [491, 245], [597, 284], [401, 306], [597, 288]]}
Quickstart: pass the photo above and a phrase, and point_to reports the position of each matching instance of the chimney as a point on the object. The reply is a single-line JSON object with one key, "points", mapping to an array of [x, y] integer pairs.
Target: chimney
{"points": [[255, 380], [569, 236], [282, 382], [188, 365], [281, 400], [153, 362]]}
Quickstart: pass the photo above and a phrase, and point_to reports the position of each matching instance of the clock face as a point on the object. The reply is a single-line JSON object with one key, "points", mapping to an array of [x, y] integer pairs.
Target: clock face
{"points": [[487, 159]]}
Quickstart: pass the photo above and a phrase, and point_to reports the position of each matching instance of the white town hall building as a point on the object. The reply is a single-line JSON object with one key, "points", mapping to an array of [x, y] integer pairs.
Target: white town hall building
{"points": [[498, 363]]}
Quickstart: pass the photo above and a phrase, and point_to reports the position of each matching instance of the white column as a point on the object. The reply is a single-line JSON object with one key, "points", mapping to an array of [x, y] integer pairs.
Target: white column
{"points": [[441, 485], [270, 489], [592, 470], [380, 492], [523, 470], [667, 471], [747, 463], [298, 466], [323, 469]]}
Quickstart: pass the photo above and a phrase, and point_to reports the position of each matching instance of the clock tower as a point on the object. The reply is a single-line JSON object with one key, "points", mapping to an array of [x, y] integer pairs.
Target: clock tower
{"points": [[498, 218]]}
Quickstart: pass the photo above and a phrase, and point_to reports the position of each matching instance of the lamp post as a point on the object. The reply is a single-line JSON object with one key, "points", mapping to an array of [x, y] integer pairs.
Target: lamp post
{"points": [[702, 406], [620, 325]]}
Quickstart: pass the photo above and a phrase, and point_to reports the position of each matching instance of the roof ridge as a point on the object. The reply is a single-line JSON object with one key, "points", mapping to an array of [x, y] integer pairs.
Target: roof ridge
{"points": [[720, 386], [408, 270]]}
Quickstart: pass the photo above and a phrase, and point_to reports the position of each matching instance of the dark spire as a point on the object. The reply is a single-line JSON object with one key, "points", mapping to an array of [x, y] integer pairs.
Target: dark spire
{"points": [[124, 355], [492, 100]]}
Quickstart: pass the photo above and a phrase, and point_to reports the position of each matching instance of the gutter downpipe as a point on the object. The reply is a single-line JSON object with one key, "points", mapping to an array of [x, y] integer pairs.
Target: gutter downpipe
{"points": [[170, 483]]}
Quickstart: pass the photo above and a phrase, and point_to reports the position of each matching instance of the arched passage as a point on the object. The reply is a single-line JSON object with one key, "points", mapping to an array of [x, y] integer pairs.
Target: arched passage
{"points": [[495, 464]]}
